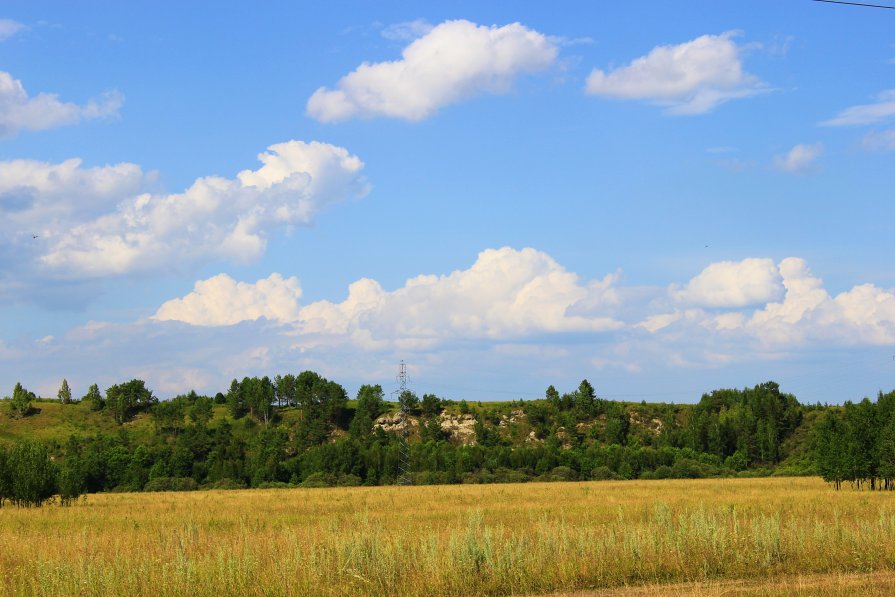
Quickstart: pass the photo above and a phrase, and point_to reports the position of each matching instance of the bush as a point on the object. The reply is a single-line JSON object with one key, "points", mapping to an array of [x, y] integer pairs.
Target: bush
{"points": [[171, 484], [274, 485], [225, 483], [317, 480], [603, 473]]}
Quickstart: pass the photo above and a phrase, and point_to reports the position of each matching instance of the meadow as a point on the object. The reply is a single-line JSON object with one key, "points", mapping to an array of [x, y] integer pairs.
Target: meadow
{"points": [[451, 540]]}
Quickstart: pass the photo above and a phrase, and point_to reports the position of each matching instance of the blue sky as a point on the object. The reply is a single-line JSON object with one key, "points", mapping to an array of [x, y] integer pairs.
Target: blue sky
{"points": [[664, 198]]}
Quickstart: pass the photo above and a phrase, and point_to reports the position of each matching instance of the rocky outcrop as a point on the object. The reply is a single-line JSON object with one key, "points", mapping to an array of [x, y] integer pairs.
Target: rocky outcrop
{"points": [[515, 416], [461, 428], [396, 423]]}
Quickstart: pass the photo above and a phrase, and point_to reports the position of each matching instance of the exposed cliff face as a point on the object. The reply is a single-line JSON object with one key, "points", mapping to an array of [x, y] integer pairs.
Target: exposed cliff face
{"points": [[396, 423], [460, 427]]}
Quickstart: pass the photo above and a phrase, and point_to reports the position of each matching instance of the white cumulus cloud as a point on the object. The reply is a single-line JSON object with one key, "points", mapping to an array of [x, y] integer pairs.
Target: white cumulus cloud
{"points": [[215, 218], [221, 300], [800, 158], [506, 293], [882, 109], [863, 315], [19, 111], [454, 60], [689, 78], [733, 284]]}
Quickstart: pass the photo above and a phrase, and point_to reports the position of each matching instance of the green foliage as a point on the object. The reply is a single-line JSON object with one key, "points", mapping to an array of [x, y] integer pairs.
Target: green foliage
{"points": [[171, 484], [123, 400], [32, 474], [408, 401], [20, 403], [64, 393], [371, 400], [93, 398]]}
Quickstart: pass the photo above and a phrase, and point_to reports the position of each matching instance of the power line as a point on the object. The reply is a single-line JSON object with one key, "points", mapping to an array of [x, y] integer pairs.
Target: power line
{"points": [[856, 4]]}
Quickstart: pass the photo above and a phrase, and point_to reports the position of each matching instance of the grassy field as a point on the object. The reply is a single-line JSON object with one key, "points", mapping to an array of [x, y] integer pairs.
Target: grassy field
{"points": [[659, 537]]}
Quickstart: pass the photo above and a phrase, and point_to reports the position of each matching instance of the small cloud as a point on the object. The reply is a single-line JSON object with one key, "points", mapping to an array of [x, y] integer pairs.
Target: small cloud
{"points": [[452, 61], [879, 141], [689, 78], [880, 110], [722, 149], [9, 28], [19, 111], [799, 159], [407, 31]]}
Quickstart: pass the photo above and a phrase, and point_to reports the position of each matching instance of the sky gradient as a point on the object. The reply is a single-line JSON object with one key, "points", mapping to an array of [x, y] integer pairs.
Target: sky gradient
{"points": [[663, 198]]}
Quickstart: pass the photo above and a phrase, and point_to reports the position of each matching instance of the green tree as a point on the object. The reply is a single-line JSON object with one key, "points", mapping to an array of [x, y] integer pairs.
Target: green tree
{"points": [[371, 399], [64, 393], [285, 389], [408, 401], [32, 474], [201, 410], [20, 404], [94, 398], [125, 399], [430, 405]]}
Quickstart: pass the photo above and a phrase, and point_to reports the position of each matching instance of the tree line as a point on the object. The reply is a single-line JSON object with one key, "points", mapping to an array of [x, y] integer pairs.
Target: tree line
{"points": [[301, 430], [856, 443]]}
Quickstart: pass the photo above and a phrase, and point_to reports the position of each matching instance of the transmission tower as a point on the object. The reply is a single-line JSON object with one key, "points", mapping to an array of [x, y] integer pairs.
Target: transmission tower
{"points": [[404, 477]]}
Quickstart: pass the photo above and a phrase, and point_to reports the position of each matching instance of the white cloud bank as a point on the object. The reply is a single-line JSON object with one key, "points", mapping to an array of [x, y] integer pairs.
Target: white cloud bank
{"points": [[799, 159], [689, 78], [97, 222], [20, 112], [517, 315], [450, 62], [506, 293], [510, 294], [880, 110]]}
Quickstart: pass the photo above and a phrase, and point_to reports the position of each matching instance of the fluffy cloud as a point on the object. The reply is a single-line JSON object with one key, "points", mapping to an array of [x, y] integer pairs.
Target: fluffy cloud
{"points": [[733, 284], [8, 28], [689, 78], [454, 60], [882, 109], [506, 293], [800, 312], [799, 159], [20, 112], [216, 218], [223, 301], [863, 315]]}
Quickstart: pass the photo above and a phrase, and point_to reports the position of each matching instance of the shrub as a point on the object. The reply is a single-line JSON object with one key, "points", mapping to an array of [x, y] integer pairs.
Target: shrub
{"points": [[171, 484]]}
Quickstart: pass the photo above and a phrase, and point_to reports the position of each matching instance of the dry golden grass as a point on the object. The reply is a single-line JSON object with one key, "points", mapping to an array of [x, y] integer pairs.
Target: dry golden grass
{"points": [[455, 540]]}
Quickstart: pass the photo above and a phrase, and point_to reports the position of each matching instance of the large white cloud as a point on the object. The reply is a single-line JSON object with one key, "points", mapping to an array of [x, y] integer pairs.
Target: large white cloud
{"points": [[516, 315], [734, 284], [800, 158], [19, 111], [506, 293], [880, 110], [863, 315], [689, 78], [215, 218], [452, 61], [221, 300]]}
